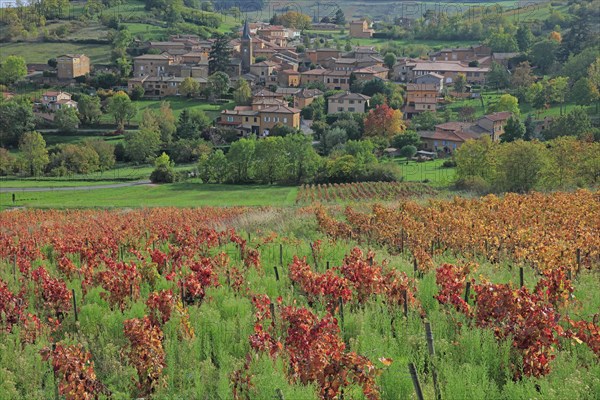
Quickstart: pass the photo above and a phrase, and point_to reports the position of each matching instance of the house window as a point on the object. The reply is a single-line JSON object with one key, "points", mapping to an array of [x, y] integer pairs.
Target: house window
{"points": [[246, 119], [229, 119], [351, 101], [351, 109], [340, 108], [284, 120], [254, 119]]}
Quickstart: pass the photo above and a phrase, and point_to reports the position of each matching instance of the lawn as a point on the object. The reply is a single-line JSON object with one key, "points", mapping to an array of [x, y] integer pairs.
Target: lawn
{"points": [[40, 52], [491, 97], [177, 194], [146, 31], [123, 173], [430, 171], [178, 104], [52, 139]]}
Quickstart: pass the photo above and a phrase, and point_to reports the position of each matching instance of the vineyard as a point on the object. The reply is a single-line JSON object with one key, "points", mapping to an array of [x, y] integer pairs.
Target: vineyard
{"points": [[465, 298], [363, 191]]}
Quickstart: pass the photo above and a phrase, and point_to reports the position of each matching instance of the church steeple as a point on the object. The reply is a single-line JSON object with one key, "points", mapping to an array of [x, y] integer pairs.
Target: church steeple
{"points": [[246, 48], [246, 32]]}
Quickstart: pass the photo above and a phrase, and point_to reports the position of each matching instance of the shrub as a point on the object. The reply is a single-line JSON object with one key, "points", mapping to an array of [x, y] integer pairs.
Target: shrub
{"points": [[474, 184], [164, 171], [450, 163], [382, 172]]}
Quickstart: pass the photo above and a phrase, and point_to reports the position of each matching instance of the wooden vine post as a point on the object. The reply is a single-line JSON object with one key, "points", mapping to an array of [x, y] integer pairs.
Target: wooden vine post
{"points": [[415, 380], [431, 349], [74, 305]]}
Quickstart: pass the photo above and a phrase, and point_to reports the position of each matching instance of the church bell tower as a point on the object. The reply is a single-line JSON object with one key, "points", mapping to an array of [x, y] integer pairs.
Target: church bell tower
{"points": [[246, 48]]}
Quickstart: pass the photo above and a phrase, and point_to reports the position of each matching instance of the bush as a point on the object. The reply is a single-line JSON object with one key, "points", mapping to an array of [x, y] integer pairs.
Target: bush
{"points": [[164, 171], [474, 184], [382, 172], [450, 163]]}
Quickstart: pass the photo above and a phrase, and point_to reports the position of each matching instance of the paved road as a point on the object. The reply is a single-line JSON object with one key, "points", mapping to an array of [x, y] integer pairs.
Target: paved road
{"points": [[70, 188]]}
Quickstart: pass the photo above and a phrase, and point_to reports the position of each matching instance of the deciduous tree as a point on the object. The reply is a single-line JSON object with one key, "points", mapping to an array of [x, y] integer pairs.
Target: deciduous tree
{"points": [[384, 121], [34, 152]]}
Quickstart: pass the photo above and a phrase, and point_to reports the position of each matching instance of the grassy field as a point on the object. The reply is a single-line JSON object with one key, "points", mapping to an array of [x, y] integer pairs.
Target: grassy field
{"points": [[431, 172], [178, 195], [40, 52], [178, 104], [491, 97], [120, 174]]}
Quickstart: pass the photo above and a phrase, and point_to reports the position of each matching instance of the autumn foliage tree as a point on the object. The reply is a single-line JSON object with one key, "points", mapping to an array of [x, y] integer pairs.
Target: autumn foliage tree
{"points": [[384, 121]]}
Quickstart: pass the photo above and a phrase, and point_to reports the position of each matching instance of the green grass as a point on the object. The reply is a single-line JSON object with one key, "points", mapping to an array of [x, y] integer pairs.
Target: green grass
{"points": [[430, 171], [40, 52], [146, 31], [177, 194], [178, 104], [53, 139]]}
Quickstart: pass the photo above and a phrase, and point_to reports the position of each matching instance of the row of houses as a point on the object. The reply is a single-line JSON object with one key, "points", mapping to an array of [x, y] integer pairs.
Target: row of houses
{"points": [[449, 136]]}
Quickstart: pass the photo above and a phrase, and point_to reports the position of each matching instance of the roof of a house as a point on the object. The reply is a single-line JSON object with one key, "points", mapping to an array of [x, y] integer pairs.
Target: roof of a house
{"points": [[498, 116], [453, 126], [281, 109], [162, 56], [54, 93], [446, 66], [373, 69], [349, 96], [72, 55], [317, 71], [308, 93]]}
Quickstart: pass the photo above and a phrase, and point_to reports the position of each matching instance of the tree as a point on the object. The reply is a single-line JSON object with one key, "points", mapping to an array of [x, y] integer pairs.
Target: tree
{"points": [[213, 167], [556, 36], [522, 78], [332, 138], [460, 83], [408, 151], [12, 69], [339, 18], [524, 37], [594, 74], [408, 138], [474, 159], [79, 159], [350, 125], [142, 145], [502, 42], [519, 166], [302, 162], [466, 113], [582, 93], [577, 66], [384, 121], [513, 130], [498, 77], [218, 83], [191, 124], [16, 118], [269, 159], [529, 128], [7, 162], [280, 129], [164, 170], [240, 158], [508, 103], [242, 95], [105, 151], [34, 152], [425, 121], [543, 54], [67, 119], [189, 87], [575, 123], [89, 107], [121, 108], [166, 122], [297, 20], [389, 60], [124, 66], [377, 100], [218, 59], [138, 92]]}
